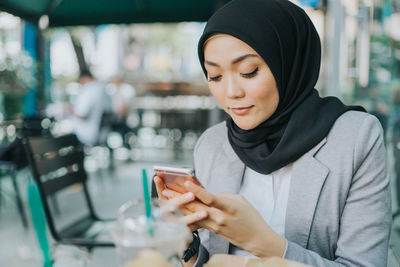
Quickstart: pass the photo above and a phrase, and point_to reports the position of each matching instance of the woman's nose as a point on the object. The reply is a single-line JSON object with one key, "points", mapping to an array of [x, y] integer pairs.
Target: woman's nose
{"points": [[234, 90]]}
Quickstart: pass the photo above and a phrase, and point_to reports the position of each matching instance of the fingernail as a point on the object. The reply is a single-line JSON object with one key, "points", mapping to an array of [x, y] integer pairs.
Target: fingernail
{"points": [[187, 184], [165, 193], [188, 196]]}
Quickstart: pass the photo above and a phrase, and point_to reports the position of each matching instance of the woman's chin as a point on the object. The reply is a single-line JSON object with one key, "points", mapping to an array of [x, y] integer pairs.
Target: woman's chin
{"points": [[245, 125]]}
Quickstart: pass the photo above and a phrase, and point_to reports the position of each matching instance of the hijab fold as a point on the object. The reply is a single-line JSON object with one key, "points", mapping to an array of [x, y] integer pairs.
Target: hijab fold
{"points": [[284, 36]]}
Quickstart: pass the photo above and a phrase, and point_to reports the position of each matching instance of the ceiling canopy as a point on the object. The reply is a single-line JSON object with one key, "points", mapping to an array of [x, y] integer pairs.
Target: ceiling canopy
{"points": [[94, 12]]}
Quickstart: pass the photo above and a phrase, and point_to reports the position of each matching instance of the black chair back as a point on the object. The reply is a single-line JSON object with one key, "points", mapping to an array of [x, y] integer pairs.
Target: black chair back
{"points": [[58, 164]]}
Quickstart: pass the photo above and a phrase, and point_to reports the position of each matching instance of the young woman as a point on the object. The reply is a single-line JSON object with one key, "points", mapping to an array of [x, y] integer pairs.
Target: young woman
{"points": [[290, 174]]}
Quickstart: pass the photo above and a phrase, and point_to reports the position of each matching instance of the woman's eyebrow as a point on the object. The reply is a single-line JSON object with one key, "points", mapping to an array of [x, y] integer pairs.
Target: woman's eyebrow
{"points": [[235, 61], [206, 62], [241, 58]]}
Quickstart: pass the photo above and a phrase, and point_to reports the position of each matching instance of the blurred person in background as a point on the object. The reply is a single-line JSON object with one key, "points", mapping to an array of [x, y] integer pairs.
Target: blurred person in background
{"points": [[290, 174], [122, 95], [88, 108]]}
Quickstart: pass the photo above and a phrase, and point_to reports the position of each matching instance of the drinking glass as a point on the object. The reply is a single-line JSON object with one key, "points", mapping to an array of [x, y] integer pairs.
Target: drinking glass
{"points": [[156, 242]]}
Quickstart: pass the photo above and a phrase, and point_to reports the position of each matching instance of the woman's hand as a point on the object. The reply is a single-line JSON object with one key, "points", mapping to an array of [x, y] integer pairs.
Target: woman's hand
{"points": [[192, 209], [235, 219]]}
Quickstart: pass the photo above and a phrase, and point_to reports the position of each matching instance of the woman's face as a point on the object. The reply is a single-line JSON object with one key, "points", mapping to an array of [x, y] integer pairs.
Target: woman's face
{"points": [[240, 80]]}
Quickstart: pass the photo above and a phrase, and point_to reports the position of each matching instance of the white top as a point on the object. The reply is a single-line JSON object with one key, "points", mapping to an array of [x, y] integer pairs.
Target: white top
{"points": [[91, 103], [268, 194]]}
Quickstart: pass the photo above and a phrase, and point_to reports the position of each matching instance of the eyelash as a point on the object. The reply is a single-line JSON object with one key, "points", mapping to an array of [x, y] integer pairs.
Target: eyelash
{"points": [[245, 75], [251, 74], [214, 79]]}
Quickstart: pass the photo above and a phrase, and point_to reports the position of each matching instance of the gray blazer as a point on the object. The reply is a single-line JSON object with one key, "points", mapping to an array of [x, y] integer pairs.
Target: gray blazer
{"points": [[339, 206]]}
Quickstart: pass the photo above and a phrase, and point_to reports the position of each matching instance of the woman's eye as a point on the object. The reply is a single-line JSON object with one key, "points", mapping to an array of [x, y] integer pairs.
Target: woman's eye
{"points": [[214, 78], [250, 74]]}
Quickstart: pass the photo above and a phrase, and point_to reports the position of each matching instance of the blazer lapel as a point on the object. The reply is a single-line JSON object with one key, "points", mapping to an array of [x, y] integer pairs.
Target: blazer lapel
{"points": [[227, 177], [308, 177], [227, 171]]}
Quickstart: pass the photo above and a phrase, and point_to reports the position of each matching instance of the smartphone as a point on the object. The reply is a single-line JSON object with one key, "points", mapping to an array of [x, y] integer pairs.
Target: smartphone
{"points": [[175, 177]]}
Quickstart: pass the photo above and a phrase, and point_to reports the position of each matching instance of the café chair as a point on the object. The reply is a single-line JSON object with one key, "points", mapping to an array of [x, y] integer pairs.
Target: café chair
{"points": [[13, 158], [57, 165]]}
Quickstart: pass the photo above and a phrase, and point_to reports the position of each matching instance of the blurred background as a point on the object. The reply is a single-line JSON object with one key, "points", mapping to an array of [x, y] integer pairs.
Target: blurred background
{"points": [[154, 104]]}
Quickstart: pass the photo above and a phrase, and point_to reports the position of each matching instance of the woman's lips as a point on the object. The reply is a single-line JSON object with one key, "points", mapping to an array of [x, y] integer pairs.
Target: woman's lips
{"points": [[240, 111]]}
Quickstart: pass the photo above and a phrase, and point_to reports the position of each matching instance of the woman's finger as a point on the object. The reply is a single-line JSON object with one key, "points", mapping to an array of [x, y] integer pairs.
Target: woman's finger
{"points": [[168, 193], [181, 199], [185, 211], [196, 205], [193, 205], [189, 207], [213, 221], [206, 197], [202, 194], [195, 217], [160, 187]]}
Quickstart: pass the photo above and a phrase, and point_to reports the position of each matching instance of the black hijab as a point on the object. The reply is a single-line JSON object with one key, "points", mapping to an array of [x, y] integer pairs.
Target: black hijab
{"points": [[284, 36]]}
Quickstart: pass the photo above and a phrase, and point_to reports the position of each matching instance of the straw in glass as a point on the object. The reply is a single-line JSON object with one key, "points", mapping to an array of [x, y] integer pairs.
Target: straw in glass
{"points": [[147, 202]]}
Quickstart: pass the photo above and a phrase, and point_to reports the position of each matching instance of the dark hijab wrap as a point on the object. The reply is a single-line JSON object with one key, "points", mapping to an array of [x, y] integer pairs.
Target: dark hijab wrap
{"points": [[284, 36]]}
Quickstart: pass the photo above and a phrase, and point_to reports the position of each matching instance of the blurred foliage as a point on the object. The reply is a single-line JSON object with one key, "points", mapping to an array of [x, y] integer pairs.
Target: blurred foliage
{"points": [[17, 75], [384, 69]]}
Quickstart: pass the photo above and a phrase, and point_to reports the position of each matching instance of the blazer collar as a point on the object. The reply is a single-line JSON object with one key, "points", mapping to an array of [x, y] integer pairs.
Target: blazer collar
{"points": [[227, 173], [227, 177], [308, 177]]}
